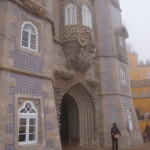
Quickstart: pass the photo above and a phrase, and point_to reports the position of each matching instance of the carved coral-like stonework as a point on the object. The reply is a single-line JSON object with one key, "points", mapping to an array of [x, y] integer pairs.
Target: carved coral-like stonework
{"points": [[32, 6], [64, 80], [79, 47]]}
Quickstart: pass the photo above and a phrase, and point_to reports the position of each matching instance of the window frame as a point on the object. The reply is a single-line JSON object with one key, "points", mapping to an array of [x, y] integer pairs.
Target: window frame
{"points": [[121, 41], [148, 75], [87, 19], [123, 75], [29, 37], [70, 6], [28, 116]]}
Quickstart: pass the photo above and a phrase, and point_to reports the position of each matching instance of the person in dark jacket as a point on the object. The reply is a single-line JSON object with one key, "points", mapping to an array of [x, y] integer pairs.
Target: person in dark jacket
{"points": [[114, 131], [147, 132]]}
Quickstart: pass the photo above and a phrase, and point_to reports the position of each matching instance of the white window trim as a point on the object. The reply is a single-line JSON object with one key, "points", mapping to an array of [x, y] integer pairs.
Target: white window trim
{"points": [[121, 41], [87, 19], [70, 5], [29, 39], [122, 75], [28, 116]]}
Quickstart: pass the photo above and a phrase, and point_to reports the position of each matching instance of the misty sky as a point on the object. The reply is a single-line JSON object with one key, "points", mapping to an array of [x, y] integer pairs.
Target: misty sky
{"points": [[136, 17]]}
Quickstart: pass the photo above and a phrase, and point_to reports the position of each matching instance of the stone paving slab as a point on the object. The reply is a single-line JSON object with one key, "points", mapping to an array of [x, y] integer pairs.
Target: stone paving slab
{"points": [[141, 147]]}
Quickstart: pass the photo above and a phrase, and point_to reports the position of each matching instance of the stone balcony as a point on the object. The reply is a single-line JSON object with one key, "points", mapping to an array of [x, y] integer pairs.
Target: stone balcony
{"points": [[79, 47]]}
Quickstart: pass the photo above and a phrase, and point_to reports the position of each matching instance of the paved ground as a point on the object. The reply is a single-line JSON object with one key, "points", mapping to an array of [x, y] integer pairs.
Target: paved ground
{"points": [[142, 147]]}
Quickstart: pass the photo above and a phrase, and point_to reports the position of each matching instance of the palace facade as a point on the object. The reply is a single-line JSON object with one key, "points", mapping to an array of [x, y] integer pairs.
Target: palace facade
{"points": [[63, 75], [140, 88]]}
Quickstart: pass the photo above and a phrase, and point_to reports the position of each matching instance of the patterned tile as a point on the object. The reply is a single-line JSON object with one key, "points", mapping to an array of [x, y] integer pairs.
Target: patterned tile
{"points": [[27, 61], [50, 143], [33, 87]]}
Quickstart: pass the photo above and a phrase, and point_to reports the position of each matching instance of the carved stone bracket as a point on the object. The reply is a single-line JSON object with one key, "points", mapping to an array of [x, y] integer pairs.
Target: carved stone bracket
{"points": [[79, 47]]}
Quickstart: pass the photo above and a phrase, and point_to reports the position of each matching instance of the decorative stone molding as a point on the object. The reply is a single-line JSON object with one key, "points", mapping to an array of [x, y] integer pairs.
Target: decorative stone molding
{"points": [[78, 2], [63, 84], [32, 6], [79, 47], [122, 31], [92, 82], [60, 81], [66, 74], [121, 54]]}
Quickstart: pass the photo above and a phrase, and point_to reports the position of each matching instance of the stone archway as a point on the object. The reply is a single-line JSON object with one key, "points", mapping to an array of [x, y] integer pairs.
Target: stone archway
{"points": [[84, 92], [69, 121]]}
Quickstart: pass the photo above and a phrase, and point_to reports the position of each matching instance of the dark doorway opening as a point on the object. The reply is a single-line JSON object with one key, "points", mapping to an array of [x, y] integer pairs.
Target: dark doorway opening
{"points": [[64, 119], [69, 120]]}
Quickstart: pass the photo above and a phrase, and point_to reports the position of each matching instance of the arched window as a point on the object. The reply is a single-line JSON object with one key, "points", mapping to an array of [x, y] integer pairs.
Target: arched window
{"points": [[70, 14], [86, 16], [29, 36], [143, 94], [28, 123], [135, 95], [121, 41], [148, 75], [122, 75]]}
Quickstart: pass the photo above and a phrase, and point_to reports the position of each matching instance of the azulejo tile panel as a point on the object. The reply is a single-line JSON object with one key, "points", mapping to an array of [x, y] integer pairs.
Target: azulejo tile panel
{"points": [[27, 61], [30, 86]]}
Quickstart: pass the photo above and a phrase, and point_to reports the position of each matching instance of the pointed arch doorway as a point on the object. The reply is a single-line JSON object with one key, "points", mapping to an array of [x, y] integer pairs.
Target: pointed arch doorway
{"points": [[69, 120], [77, 120]]}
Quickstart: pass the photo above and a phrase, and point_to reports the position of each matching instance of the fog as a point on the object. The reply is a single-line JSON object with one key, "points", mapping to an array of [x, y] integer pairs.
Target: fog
{"points": [[136, 17]]}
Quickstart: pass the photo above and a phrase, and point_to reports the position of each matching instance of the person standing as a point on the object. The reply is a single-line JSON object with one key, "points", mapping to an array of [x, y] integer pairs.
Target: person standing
{"points": [[147, 133], [115, 132]]}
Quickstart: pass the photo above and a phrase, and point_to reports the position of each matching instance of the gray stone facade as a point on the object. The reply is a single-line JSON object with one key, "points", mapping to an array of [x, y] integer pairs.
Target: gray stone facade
{"points": [[74, 65]]}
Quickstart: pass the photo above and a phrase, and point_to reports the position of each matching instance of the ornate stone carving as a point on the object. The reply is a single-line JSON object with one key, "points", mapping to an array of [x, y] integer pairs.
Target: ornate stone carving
{"points": [[32, 6], [121, 53], [79, 2], [62, 85], [66, 74], [79, 47], [92, 82]]}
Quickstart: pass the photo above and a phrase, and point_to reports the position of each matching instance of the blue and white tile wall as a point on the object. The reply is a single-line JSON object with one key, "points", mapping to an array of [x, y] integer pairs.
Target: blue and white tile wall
{"points": [[27, 85], [27, 61]]}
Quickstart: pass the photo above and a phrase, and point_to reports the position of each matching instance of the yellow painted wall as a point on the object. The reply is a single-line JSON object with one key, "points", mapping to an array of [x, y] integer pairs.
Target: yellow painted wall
{"points": [[137, 72], [143, 125], [141, 103]]}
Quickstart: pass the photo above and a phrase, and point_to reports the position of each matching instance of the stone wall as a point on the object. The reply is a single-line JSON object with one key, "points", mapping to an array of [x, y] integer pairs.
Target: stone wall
{"points": [[26, 75]]}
